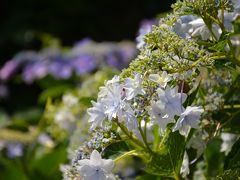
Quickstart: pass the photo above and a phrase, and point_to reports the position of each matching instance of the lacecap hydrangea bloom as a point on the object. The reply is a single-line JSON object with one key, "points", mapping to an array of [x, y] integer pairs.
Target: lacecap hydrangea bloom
{"points": [[171, 105]]}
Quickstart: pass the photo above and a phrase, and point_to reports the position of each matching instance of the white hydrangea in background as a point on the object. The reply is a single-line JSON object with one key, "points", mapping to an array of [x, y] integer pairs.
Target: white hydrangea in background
{"points": [[65, 119], [69, 100], [228, 141], [185, 166]]}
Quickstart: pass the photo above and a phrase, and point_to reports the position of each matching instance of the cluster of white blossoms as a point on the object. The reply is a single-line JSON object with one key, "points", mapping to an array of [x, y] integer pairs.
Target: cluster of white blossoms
{"points": [[113, 102], [64, 117], [150, 94], [117, 101], [194, 26]]}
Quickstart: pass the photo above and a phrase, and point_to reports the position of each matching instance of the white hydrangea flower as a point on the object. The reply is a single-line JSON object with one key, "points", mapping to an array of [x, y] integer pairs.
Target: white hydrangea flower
{"points": [[96, 115], [197, 142], [185, 166], [65, 119], [171, 100], [159, 115], [162, 79], [96, 168], [199, 28], [108, 85], [128, 117], [116, 106], [114, 80], [114, 101], [228, 141], [182, 28], [133, 87], [188, 119], [69, 100]]}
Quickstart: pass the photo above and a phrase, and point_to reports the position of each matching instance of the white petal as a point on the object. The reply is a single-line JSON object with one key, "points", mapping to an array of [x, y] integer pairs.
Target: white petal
{"points": [[95, 157], [154, 77], [84, 162], [110, 177], [108, 165], [96, 176], [183, 97], [86, 170], [184, 130]]}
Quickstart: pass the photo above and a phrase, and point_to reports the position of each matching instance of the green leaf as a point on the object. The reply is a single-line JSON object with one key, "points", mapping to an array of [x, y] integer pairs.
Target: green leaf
{"points": [[48, 164], [192, 96], [167, 161], [148, 177], [230, 174], [156, 137], [231, 119], [11, 170], [236, 25], [87, 101], [219, 47], [52, 92], [214, 157], [27, 116], [3, 119], [116, 149], [49, 82]]}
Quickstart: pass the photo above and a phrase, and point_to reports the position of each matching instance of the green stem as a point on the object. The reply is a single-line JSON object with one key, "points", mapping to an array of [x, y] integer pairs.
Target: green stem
{"points": [[125, 131], [162, 141], [235, 106], [14, 135], [130, 153], [144, 137], [212, 57], [212, 18]]}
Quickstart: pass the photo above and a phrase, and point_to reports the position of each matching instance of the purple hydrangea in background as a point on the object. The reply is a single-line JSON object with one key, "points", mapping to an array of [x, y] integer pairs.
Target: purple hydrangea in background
{"points": [[83, 42], [84, 57], [83, 64], [14, 149], [60, 69], [8, 70], [120, 56], [34, 71]]}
